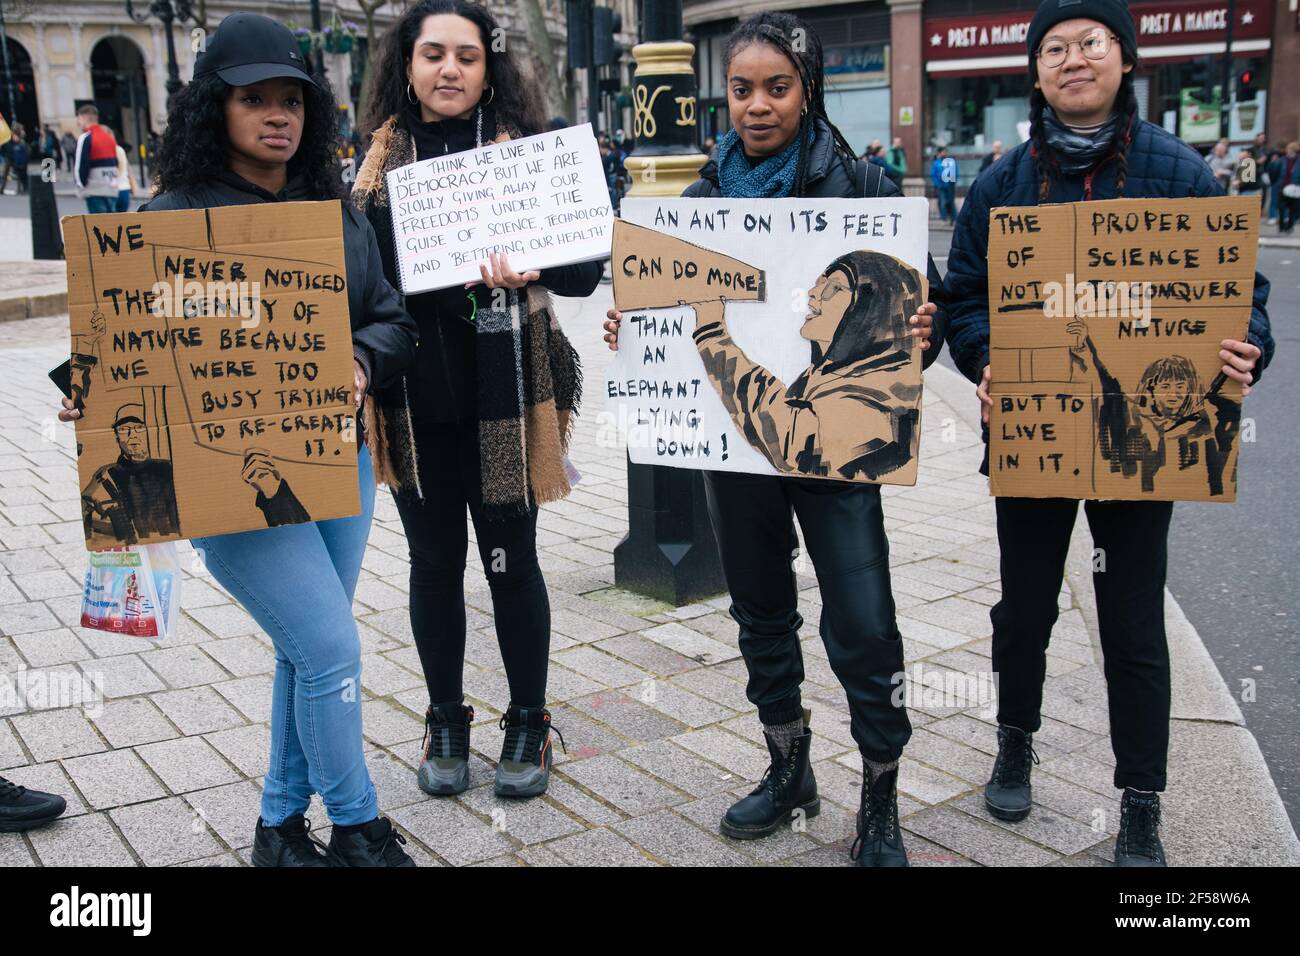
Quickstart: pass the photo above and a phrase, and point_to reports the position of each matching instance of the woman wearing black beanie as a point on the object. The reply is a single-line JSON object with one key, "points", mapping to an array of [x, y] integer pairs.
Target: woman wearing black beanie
{"points": [[1086, 142]]}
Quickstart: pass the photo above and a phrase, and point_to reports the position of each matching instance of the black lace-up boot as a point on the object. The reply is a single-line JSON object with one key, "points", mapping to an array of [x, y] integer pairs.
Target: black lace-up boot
{"points": [[376, 843], [23, 809], [289, 844], [524, 769], [880, 839], [1138, 843], [788, 788], [444, 761], [1008, 795]]}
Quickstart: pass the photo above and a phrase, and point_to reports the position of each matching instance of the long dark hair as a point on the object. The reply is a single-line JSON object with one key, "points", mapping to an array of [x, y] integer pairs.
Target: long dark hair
{"points": [[195, 145], [779, 30], [514, 96], [884, 293], [1045, 161]]}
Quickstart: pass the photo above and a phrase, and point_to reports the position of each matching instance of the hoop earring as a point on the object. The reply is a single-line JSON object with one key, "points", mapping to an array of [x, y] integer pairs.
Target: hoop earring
{"points": [[409, 98], [492, 94]]}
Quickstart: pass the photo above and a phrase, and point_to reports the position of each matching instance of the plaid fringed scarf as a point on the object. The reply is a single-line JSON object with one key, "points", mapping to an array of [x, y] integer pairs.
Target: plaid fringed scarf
{"points": [[529, 384], [529, 375]]}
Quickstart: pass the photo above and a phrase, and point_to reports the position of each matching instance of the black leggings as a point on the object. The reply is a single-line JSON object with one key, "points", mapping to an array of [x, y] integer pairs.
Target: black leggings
{"points": [[844, 531], [438, 539], [1129, 580]]}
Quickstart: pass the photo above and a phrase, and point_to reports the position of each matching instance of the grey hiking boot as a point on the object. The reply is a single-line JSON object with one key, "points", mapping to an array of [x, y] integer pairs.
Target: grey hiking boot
{"points": [[444, 765], [524, 769]]}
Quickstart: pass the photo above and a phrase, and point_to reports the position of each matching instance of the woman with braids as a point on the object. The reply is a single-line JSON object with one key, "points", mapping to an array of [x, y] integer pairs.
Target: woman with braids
{"points": [[484, 417], [783, 144], [253, 127], [1086, 143]]}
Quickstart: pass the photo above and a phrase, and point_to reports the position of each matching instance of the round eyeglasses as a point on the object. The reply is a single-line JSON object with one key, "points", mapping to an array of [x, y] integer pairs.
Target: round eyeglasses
{"points": [[1094, 46]]}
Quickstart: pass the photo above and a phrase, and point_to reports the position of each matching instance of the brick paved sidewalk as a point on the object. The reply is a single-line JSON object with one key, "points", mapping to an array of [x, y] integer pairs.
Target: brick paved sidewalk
{"points": [[166, 769]]}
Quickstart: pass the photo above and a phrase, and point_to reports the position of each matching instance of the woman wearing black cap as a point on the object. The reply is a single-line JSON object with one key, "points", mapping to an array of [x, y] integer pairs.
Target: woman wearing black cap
{"points": [[1086, 142], [478, 427], [252, 127]]}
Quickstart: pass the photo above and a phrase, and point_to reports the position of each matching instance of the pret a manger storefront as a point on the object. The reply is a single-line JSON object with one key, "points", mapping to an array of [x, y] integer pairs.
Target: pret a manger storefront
{"points": [[977, 84]]}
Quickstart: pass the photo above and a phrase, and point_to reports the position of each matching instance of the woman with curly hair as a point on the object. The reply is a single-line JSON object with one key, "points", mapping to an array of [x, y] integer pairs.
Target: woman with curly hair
{"points": [[485, 413], [252, 127], [1086, 142]]}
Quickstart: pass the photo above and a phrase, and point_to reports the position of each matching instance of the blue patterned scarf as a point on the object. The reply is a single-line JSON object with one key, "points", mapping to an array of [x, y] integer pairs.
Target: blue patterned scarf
{"points": [[772, 177], [1076, 152]]}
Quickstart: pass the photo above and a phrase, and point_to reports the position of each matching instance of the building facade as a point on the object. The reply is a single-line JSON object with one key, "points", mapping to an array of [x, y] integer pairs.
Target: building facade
{"points": [[955, 72], [63, 54]]}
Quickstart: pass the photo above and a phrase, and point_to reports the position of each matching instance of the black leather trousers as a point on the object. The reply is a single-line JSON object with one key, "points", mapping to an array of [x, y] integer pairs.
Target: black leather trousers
{"points": [[844, 532]]}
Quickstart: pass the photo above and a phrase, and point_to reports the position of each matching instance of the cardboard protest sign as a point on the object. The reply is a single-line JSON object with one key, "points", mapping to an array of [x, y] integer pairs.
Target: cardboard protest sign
{"points": [[542, 200], [212, 353], [1105, 322], [770, 336]]}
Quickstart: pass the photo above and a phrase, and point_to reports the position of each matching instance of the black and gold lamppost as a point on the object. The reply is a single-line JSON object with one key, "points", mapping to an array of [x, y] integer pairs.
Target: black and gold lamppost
{"points": [[669, 552]]}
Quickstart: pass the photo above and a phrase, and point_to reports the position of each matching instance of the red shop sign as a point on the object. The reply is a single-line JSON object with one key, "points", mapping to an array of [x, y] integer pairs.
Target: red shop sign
{"points": [[1159, 24]]}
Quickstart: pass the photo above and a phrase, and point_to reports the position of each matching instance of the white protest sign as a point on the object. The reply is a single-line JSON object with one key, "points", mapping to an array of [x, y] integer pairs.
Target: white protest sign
{"points": [[770, 336], [542, 200]]}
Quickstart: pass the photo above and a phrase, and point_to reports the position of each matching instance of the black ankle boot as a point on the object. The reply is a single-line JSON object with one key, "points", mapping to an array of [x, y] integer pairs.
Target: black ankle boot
{"points": [[1138, 843], [23, 809], [371, 844], [524, 769], [289, 844], [1008, 795], [880, 838], [788, 787], [444, 761]]}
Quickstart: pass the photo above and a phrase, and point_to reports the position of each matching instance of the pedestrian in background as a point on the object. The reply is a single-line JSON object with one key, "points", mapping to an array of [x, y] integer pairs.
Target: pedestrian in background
{"points": [[993, 156], [943, 174], [897, 158], [69, 143], [1285, 173], [1221, 164], [96, 165]]}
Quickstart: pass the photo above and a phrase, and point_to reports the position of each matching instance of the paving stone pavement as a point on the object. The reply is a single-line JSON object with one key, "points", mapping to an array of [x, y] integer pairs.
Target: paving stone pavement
{"points": [[165, 769]]}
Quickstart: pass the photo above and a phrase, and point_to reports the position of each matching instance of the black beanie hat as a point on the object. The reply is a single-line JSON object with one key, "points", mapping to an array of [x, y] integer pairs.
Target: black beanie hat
{"points": [[1114, 13]]}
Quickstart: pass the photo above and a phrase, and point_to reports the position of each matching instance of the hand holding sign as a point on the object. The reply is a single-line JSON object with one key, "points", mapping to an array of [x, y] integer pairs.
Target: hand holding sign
{"points": [[541, 198]]}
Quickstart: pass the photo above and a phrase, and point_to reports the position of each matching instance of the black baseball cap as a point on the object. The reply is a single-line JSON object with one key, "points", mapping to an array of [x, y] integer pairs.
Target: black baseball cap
{"points": [[249, 48]]}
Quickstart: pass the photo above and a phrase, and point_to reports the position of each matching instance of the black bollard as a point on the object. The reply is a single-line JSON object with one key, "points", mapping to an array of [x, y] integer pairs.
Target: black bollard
{"points": [[669, 553], [47, 237]]}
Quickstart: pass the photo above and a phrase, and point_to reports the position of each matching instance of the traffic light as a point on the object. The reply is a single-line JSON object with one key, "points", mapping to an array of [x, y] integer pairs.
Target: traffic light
{"points": [[605, 22], [1246, 86], [1202, 80], [577, 18]]}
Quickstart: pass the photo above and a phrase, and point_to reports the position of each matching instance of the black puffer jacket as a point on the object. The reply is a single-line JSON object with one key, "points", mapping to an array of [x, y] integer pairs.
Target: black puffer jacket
{"points": [[383, 335], [1159, 166], [833, 176]]}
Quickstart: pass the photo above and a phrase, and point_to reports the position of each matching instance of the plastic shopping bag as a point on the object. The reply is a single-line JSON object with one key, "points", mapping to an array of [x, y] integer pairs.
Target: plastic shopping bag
{"points": [[132, 590]]}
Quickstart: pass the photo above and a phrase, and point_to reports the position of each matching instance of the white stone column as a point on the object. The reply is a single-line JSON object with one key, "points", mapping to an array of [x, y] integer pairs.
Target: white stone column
{"points": [[157, 73], [46, 108], [81, 57]]}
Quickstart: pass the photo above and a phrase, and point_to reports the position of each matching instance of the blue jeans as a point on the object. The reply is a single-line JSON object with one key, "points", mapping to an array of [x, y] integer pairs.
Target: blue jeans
{"points": [[297, 581], [98, 204], [948, 202]]}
